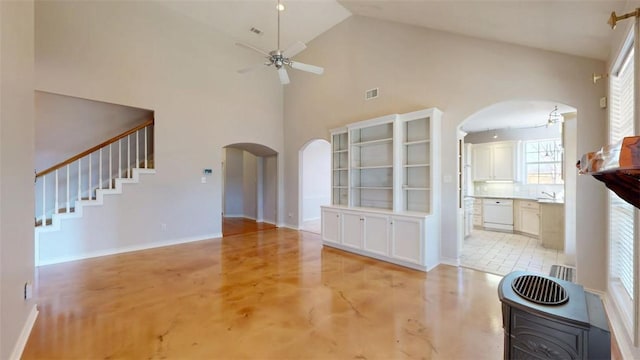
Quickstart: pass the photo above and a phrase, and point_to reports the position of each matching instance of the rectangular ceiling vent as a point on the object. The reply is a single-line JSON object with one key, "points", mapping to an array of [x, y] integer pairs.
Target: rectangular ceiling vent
{"points": [[255, 30], [371, 94]]}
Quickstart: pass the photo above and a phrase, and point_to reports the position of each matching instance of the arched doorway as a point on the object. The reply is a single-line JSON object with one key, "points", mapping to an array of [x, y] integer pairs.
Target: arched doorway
{"points": [[314, 183], [542, 134], [250, 188]]}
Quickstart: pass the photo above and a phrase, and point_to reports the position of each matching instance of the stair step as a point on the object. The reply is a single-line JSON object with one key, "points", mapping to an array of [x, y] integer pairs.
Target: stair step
{"points": [[125, 175]]}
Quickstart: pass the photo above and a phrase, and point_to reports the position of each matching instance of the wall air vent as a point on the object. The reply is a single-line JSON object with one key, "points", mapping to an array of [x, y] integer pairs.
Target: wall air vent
{"points": [[256, 31], [371, 94]]}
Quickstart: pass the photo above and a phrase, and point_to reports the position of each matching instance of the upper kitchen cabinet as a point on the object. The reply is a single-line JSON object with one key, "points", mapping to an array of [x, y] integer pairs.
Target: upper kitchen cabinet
{"points": [[495, 161]]}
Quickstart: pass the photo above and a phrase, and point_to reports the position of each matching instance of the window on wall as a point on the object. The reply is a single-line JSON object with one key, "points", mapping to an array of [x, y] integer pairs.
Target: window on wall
{"points": [[543, 161], [621, 219]]}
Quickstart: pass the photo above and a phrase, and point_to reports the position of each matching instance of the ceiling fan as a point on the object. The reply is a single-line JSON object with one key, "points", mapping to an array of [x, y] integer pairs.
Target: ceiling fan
{"points": [[281, 59]]}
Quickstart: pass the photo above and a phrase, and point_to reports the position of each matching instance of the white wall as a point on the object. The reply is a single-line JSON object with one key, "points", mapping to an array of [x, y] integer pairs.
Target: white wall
{"points": [[16, 173], [270, 190], [143, 55], [249, 185], [233, 183], [419, 68], [316, 178], [67, 126]]}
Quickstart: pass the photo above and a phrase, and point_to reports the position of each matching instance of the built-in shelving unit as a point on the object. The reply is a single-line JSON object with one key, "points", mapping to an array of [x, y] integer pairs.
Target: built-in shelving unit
{"points": [[340, 168], [416, 165], [384, 189], [372, 166]]}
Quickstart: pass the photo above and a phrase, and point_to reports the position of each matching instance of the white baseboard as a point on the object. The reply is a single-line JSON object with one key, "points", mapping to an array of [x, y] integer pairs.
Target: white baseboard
{"points": [[289, 226], [16, 354], [128, 249], [450, 261], [311, 219]]}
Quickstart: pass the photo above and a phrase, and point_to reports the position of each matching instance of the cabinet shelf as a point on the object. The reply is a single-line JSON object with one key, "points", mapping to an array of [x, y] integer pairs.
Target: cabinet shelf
{"points": [[340, 151], [340, 169], [372, 167], [372, 142], [414, 188], [340, 187], [373, 187], [416, 142], [415, 165]]}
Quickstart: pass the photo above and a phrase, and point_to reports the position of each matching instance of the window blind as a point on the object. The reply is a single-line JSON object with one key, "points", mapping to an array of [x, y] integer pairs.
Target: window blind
{"points": [[621, 214]]}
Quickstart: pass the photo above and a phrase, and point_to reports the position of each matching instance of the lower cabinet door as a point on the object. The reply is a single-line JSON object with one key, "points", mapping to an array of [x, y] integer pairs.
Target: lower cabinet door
{"points": [[407, 239], [331, 226], [376, 234], [352, 224], [530, 221]]}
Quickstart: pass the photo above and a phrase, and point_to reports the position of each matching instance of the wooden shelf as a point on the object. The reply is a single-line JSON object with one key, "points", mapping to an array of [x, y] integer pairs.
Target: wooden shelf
{"points": [[618, 167]]}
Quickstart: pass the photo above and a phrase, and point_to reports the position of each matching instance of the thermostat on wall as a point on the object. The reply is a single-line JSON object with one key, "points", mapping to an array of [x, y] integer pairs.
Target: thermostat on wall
{"points": [[603, 102]]}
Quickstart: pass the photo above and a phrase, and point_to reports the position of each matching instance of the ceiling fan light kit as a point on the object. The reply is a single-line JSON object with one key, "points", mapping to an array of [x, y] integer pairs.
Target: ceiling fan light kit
{"points": [[282, 59]]}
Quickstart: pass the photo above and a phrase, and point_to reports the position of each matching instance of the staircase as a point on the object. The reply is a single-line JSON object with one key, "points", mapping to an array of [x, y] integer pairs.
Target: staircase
{"points": [[83, 180]]}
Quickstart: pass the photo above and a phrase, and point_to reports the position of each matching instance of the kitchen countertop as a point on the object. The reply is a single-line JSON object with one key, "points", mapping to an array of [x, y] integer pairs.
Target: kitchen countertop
{"points": [[515, 197]]}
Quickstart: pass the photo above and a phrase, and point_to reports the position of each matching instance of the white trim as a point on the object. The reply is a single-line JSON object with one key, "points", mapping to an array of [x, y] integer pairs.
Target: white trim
{"points": [[449, 261], [18, 348], [129, 249], [619, 331], [288, 226]]}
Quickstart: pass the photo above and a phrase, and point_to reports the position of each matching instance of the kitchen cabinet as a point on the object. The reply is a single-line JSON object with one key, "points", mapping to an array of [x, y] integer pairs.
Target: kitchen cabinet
{"points": [[477, 213], [331, 226], [352, 231], [495, 161], [406, 239], [384, 186], [468, 216], [384, 235], [552, 225], [527, 217]]}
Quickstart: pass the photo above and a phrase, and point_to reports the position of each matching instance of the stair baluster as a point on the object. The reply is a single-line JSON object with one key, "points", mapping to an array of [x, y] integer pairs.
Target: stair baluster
{"points": [[100, 169], [61, 180], [55, 201], [68, 182], [110, 167]]}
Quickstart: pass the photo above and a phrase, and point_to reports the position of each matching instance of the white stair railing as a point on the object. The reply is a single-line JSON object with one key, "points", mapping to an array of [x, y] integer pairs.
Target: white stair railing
{"points": [[60, 186]]}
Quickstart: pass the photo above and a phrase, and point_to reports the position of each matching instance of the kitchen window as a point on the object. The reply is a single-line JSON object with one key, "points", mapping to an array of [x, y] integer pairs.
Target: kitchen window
{"points": [[543, 161]]}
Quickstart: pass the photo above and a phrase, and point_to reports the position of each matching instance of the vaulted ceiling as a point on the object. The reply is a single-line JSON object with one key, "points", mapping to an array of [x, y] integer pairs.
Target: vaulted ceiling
{"points": [[575, 27]]}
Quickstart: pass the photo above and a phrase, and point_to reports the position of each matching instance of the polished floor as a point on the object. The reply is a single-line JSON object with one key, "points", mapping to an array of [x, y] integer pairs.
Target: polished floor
{"points": [[238, 225], [501, 253], [274, 294]]}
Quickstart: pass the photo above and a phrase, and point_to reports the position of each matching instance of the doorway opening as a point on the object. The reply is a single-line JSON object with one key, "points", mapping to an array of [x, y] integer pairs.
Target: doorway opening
{"points": [[249, 187], [513, 154], [314, 183]]}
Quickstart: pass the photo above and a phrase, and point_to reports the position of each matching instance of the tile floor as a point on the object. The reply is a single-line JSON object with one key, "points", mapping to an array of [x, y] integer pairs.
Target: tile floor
{"points": [[500, 253]]}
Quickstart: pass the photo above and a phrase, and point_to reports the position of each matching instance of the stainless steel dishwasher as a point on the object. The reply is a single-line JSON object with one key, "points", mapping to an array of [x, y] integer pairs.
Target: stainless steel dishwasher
{"points": [[497, 214]]}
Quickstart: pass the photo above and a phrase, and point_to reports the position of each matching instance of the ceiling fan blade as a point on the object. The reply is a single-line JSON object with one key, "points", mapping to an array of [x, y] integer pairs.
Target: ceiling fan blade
{"points": [[306, 67], [254, 49], [251, 68], [294, 49], [284, 77]]}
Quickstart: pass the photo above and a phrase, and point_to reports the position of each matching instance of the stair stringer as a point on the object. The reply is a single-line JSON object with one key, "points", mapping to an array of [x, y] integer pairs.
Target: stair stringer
{"points": [[57, 219]]}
